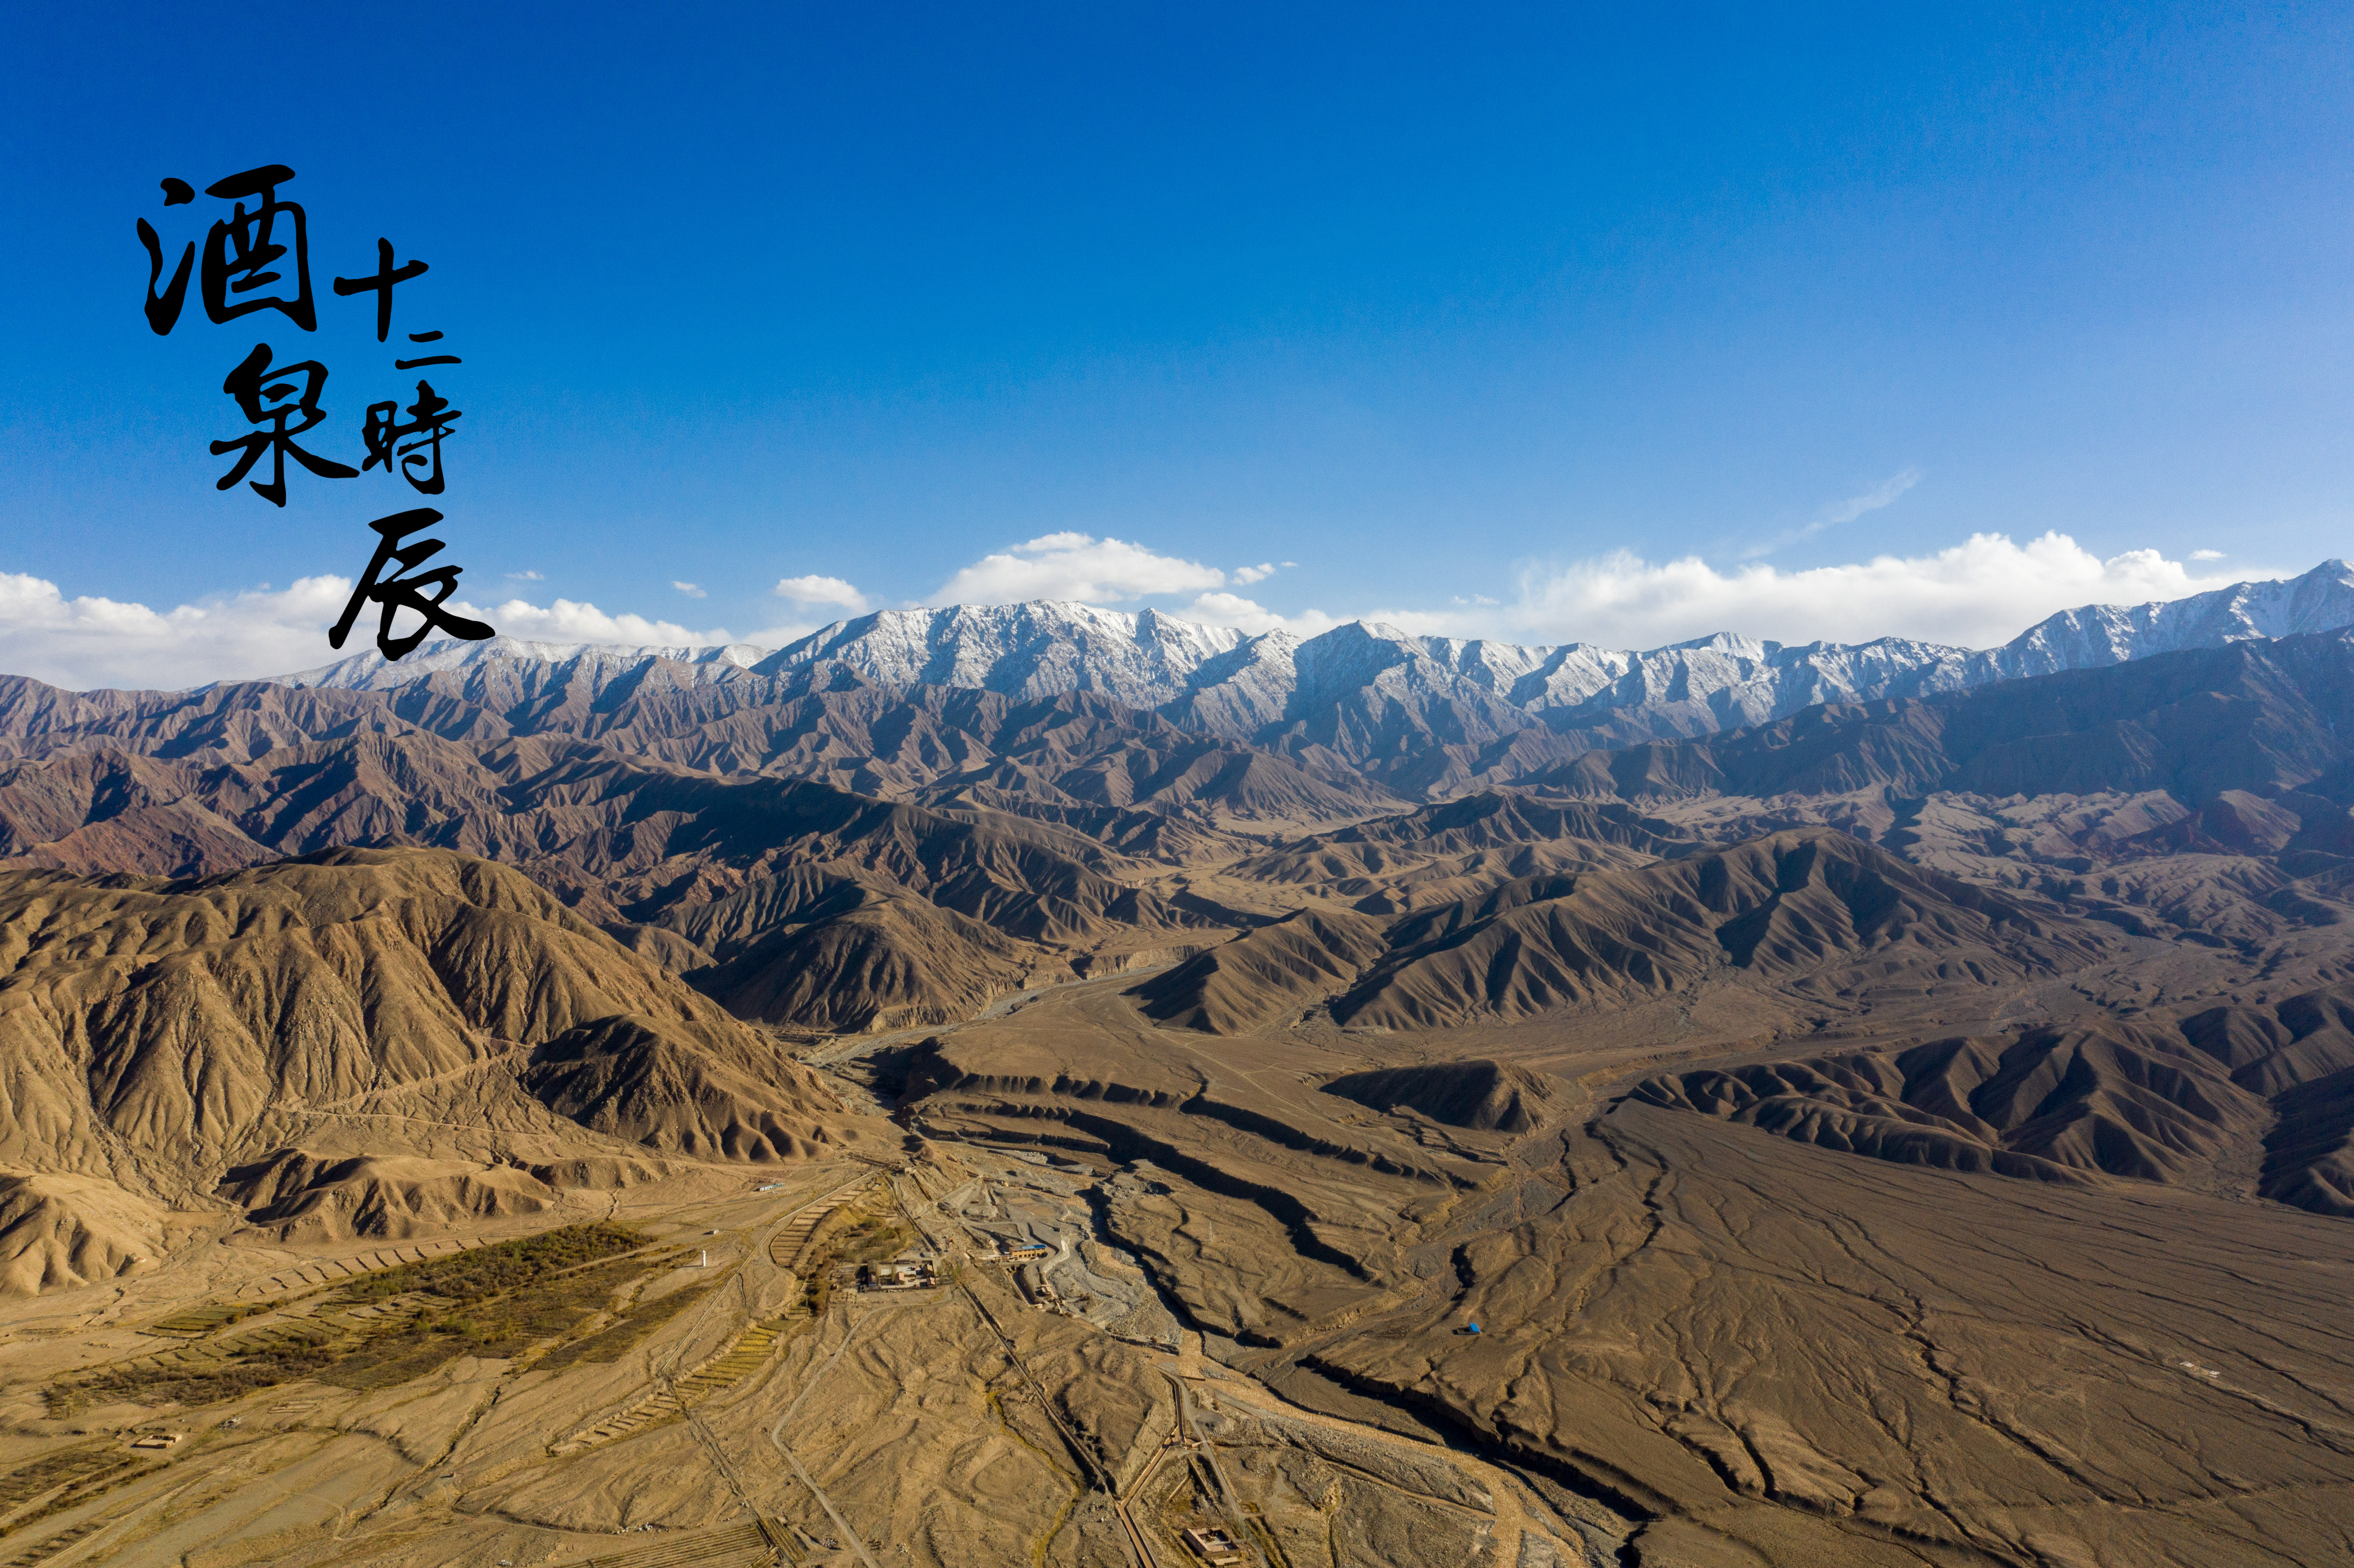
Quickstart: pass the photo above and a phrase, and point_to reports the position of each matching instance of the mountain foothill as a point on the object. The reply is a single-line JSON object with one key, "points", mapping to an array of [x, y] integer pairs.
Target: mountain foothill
{"points": [[1847, 1087]]}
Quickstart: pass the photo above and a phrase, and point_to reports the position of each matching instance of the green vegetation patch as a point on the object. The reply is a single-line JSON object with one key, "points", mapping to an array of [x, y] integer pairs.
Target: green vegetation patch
{"points": [[491, 1302], [189, 1382], [20, 1487], [69, 1479], [871, 1240], [497, 1269], [205, 1319], [489, 1327]]}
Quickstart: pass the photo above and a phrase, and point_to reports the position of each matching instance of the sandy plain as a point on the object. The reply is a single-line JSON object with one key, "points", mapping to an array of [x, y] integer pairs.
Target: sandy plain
{"points": [[959, 1423]]}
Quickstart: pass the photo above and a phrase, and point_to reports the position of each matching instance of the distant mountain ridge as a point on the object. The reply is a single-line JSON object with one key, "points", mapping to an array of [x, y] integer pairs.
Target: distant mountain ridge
{"points": [[1421, 709], [864, 856]]}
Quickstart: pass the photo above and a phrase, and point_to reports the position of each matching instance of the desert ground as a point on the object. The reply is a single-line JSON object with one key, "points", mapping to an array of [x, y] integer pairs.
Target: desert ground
{"points": [[577, 1114], [1176, 1282]]}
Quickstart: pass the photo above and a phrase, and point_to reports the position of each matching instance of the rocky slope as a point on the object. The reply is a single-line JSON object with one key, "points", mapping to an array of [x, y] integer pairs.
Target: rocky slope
{"points": [[2202, 791], [156, 1035], [1419, 713], [1812, 912], [2257, 716], [2146, 1100]]}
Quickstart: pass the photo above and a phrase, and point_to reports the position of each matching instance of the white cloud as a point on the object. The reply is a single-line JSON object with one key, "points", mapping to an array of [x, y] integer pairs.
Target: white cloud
{"points": [[690, 590], [1976, 594], [526, 576], [1979, 593], [1245, 576], [1233, 610], [813, 589], [1076, 566], [86, 642], [566, 621]]}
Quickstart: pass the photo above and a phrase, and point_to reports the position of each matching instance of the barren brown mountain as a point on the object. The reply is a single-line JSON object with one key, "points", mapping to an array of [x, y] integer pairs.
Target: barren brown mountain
{"points": [[629, 1111], [377, 1002]]}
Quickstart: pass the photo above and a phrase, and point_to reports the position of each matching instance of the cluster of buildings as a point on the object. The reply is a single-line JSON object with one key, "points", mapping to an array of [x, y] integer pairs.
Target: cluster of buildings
{"points": [[902, 1273]]}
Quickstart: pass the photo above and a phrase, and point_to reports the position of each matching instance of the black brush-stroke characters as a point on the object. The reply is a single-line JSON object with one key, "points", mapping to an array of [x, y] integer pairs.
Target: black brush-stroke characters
{"points": [[403, 591], [242, 250], [386, 275], [430, 418], [265, 400]]}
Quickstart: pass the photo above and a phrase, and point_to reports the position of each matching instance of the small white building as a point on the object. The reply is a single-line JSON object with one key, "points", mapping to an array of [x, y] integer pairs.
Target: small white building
{"points": [[1212, 1545]]}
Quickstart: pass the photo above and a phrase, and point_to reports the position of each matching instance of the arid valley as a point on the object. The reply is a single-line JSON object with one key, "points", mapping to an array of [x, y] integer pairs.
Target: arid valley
{"points": [[556, 1108]]}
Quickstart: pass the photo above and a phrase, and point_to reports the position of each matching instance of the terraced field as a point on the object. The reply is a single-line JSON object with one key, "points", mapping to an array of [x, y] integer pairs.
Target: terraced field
{"points": [[233, 1364], [333, 1271], [60, 1481], [787, 1248], [77, 1467], [739, 1362], [200, 1321], [50, 1546]]}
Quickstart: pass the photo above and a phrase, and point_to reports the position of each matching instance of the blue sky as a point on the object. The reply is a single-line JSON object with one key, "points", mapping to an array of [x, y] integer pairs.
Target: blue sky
{"points": [[1442, 304]]}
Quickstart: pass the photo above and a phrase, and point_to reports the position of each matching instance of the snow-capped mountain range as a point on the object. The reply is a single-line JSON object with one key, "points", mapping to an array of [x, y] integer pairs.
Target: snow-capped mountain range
{"points": [[1367, 689]]}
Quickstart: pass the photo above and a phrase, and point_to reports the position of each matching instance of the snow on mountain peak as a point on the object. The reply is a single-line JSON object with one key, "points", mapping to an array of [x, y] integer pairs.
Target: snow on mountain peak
{"points": [[1042, 648], [370, 672], [1369, 678]]}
